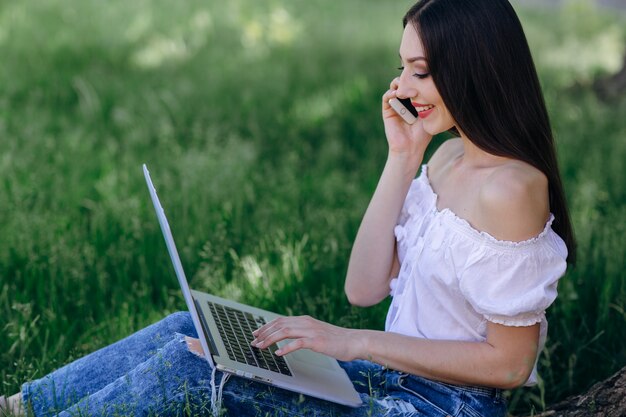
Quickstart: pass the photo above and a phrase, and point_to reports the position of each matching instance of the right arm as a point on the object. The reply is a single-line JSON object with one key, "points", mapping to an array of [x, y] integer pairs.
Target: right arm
{"points": [[373, 260]]}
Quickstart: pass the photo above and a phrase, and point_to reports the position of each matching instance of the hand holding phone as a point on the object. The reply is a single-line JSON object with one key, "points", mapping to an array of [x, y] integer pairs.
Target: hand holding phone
{"points": [[405, 109]]}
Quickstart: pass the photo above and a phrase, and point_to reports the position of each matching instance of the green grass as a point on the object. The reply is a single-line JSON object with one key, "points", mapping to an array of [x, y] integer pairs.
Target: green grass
{"points": [[260, 123]]}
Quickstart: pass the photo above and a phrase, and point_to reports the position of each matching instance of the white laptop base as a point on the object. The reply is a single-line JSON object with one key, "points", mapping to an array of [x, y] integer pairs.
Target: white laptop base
{"points": [[307, 372]]}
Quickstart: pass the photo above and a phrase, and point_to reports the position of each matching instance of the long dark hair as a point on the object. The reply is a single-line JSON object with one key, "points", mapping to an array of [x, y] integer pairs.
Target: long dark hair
{"points": [[481, 65]]}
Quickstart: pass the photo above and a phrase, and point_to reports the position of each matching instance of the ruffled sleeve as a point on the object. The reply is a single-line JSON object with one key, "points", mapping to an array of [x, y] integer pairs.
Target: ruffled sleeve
{"points": [[514, 283]]}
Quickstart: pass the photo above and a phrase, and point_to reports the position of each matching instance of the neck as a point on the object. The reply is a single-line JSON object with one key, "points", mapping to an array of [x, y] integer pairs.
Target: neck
{"points": [[474, 157]]}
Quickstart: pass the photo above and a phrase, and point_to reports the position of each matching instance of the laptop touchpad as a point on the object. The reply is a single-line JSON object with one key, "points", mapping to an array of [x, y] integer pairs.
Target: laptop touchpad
{"points": [[309, 357]]}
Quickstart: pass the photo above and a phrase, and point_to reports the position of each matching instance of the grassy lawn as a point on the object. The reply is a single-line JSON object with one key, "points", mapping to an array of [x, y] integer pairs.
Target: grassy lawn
{"points": [[260, 124]]}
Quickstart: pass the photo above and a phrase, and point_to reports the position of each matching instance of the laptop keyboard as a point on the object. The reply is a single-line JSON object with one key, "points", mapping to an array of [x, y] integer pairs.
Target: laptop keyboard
{"points": [[236, 329]]}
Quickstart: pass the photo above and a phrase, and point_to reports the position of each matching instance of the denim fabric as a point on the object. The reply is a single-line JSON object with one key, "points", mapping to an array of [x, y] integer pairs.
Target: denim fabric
{"points": [[152, 373], [88, 375]]}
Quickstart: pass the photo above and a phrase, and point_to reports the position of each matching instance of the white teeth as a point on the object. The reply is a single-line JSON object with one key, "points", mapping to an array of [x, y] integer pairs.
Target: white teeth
{"points": [[419, 109]]}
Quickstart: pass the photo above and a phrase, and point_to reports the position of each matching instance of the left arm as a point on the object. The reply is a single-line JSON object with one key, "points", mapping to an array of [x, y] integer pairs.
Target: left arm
{"points": [[504, 360]]}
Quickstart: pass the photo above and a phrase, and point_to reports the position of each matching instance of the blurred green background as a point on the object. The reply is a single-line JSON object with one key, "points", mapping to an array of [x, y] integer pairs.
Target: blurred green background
{"points": [[260, 122]]}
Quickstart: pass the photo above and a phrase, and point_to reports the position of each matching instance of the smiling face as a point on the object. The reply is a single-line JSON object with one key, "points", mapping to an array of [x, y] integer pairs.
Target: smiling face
{"points": [[417, 84]]}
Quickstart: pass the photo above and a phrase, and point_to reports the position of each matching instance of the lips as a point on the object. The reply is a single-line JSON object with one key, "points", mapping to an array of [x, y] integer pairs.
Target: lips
{"points": [[423, 110]]}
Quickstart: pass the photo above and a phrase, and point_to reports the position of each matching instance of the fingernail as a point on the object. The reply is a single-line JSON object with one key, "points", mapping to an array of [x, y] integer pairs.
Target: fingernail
{"points": [[279, 352]]}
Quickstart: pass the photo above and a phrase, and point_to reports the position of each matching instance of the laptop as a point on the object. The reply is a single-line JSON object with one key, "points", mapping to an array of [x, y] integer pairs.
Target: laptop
{"points": [[225, 328]]}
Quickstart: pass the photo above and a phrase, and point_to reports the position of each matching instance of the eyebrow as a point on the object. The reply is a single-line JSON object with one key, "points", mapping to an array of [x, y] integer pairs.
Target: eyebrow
{"points": [[414, 59]]}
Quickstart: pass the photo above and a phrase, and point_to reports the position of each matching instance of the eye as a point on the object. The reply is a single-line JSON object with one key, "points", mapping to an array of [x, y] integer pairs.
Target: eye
{"points": [[420, 76]]}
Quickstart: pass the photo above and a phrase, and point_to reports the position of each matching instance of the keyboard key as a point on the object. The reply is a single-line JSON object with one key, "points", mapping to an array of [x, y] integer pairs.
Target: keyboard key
{"points": [[236, 329]]}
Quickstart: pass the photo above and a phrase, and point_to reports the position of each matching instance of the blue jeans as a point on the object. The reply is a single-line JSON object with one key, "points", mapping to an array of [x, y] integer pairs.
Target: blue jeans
{"points": [[152, 373]]}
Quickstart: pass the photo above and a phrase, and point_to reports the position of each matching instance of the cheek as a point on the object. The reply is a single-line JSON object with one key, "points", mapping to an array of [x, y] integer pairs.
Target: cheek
{"points": [[448, 119], [444, 115]]}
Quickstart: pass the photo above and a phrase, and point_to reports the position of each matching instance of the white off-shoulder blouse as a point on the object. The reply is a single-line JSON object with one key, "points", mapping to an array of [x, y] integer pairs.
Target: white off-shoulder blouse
{"points": [[454, 278]]}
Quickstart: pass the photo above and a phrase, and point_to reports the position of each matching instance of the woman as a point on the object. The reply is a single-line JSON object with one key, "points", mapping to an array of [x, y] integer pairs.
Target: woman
{"points": [[471, 251]]}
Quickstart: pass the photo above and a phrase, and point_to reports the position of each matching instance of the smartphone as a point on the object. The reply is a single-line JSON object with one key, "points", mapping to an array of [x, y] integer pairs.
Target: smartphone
{"points": [[405, 109]]}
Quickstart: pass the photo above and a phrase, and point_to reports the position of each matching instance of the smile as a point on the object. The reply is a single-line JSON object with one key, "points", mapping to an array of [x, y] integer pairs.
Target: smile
{"points": [[423, 110]]}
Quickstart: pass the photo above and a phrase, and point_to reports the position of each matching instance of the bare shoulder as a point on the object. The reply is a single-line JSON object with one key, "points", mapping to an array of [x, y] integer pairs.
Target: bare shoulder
{"points": [[514, 201], [447, 151]]}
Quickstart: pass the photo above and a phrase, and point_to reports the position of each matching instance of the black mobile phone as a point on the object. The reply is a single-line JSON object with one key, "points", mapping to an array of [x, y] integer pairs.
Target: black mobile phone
{"points": [[405, 109]]}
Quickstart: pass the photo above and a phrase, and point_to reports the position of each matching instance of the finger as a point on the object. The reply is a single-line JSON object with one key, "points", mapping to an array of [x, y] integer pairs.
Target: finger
{"points": [[287, 328], [267, 327], [389, 94], [281, 333], [302, 343]]}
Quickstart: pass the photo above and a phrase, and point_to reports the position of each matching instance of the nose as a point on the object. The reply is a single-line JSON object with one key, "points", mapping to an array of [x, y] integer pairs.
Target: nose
{"points": [[406, 87]]}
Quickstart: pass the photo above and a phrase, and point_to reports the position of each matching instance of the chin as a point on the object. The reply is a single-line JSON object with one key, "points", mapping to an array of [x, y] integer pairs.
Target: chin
{"points": [[434, 128]]}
